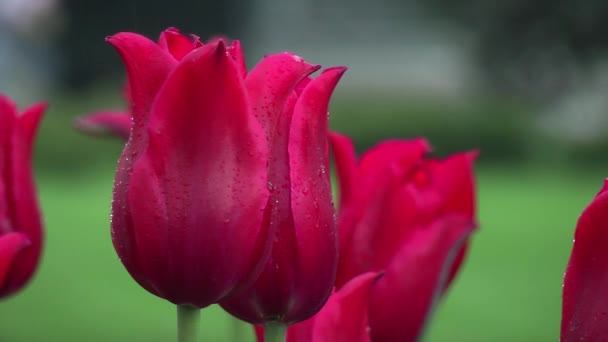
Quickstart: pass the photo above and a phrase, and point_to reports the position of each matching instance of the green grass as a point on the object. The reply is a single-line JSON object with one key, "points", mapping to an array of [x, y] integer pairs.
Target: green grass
{"points": [[509, 289]]}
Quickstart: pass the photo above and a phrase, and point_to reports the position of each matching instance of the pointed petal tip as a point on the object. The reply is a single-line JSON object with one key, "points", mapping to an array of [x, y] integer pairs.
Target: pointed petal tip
{"points": [[473, 154], [5, 100], [121, 37], [36, 112], [604, 187], [221, 45], [340, 69], [424, 143]]}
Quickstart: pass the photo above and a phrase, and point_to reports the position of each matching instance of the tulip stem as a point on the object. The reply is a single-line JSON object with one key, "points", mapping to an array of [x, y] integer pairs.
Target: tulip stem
{"points": [[275, 332], [188, 323]]}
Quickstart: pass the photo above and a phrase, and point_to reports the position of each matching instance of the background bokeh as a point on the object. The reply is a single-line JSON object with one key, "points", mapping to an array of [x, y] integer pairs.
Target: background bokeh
{"points": [[522, 81]]}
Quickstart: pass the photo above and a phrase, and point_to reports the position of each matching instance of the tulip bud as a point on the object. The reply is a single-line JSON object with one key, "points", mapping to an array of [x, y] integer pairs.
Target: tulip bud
{"points": [[205, 179], [20, 221], [408, 216]]}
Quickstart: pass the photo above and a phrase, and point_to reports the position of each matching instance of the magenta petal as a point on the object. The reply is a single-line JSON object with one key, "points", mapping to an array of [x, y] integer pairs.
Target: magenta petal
{"points": [[302, 84], [344, 318], [302, 331], [8, 117], [204, 174], [345, 159], [585, 300], [259, 333], [270, 84], [236, 51], [454, 178], [148, 65], [11, 245], [113, 123], [176, 43], [311, 195], [403, 298], [363, 222], [25, 211]]}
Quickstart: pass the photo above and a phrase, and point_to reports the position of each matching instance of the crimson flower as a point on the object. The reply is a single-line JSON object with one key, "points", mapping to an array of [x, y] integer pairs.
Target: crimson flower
{"points": [[196, 200], [585, 304], [407, 216], [20, 221]]}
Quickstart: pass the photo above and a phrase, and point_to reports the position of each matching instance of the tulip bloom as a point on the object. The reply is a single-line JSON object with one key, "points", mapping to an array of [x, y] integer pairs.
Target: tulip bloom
{"points": [[344, 318], [300, 274], [20, 221], [194, 210], [408, 216], [585, 302]]}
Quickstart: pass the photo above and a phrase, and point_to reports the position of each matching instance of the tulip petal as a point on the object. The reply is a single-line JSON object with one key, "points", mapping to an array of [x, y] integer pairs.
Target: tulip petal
{"points": [[211, 156], [114, 123], [301, 85], [585, 303], [379, 173], [270, 86], [236, 51], [404, 297], [311, 196], [8, 117], [259, 333], [302, 331], [176, 43], [454, 177], [346, 160], [11, 245], [25, 211], [148, 65], [345, 316]]}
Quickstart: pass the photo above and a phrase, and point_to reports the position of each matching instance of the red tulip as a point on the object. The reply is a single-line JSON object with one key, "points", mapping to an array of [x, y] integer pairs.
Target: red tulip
{"points": [[20, 221], [300, 274], [408, 216], [585, 304], [344, 318], [193, 216]]}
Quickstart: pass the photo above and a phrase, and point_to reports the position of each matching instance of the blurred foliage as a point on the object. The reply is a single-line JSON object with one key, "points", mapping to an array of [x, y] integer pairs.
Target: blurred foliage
{"points": [[533, 48], [503, 131], [499, 129]]}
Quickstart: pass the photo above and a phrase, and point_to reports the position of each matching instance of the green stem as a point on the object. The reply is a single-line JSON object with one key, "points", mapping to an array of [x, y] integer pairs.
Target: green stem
{"points": [[188, 323], [275, 332]]}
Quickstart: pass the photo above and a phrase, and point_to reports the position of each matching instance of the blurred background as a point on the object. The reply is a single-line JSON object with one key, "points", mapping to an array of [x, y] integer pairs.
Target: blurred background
{"points": [[522, 81]]}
